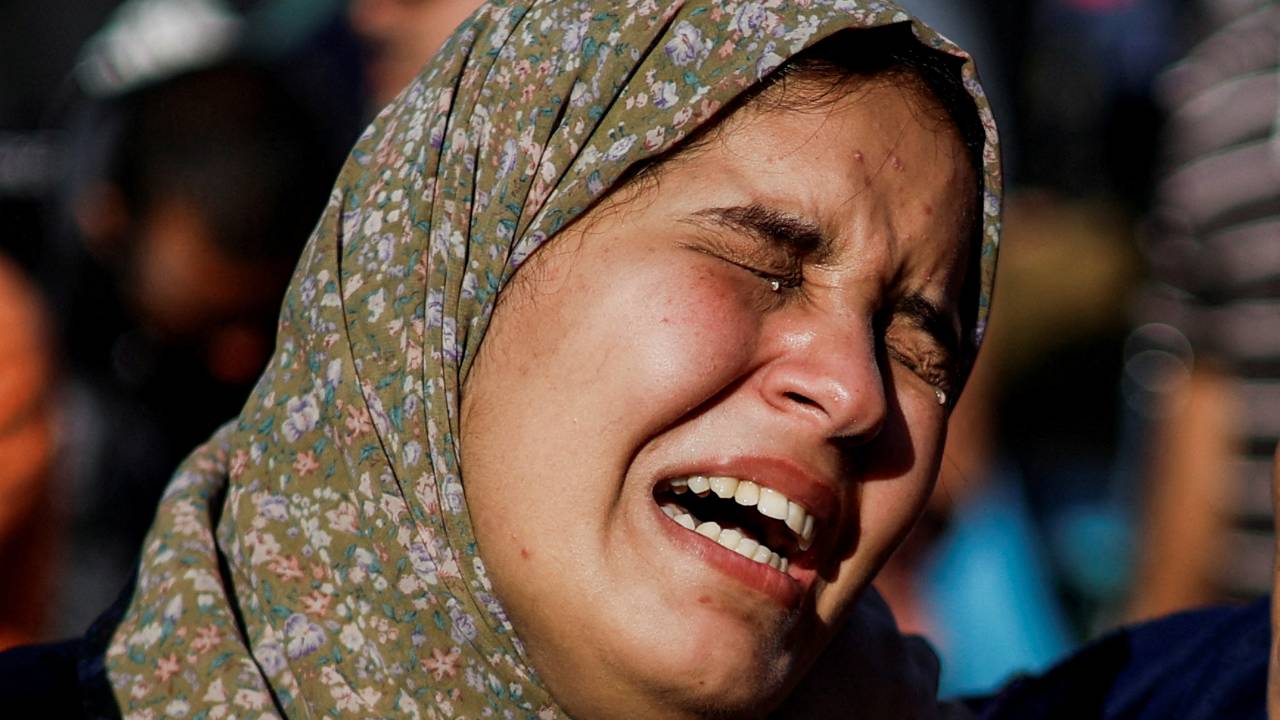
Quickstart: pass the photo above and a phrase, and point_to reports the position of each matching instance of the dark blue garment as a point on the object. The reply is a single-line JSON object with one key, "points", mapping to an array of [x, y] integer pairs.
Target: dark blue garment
{"points": [[1200, 665], [66, 679]]}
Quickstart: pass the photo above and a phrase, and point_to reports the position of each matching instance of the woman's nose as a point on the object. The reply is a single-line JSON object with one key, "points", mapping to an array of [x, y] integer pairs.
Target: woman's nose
{"points": [[828, 375]]}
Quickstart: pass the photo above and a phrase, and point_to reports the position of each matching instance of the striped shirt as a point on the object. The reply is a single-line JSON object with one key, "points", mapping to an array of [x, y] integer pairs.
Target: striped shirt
{"points": [[1214, 249]]}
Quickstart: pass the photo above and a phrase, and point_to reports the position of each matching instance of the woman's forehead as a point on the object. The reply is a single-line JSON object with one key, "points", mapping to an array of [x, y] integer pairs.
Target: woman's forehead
{"points": [[867, 166]]}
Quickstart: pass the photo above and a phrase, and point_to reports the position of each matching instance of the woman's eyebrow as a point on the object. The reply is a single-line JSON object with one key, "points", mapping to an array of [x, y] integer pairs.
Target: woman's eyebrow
{"points": [[804, 238], [933, 320], [798, 236]]}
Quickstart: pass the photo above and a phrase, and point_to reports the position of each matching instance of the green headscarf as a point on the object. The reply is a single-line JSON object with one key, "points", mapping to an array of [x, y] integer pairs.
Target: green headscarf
{"points": [[316, 557]]}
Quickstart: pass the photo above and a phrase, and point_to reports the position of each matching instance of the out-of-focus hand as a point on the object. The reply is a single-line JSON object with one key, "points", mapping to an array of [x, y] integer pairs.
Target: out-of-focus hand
{"points": [[869, 671], [1273, 675]]}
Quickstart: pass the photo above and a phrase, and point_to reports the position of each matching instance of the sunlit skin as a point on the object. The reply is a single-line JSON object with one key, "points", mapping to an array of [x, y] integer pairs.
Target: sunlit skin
{"points": [[647, 341]]}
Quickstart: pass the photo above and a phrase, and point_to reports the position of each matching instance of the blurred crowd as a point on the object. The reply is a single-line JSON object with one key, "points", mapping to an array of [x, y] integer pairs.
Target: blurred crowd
{"points": [[162, 163]]}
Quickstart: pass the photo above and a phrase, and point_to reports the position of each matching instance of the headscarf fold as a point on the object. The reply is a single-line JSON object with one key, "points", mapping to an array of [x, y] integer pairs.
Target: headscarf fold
{"points": [[315, 558]]}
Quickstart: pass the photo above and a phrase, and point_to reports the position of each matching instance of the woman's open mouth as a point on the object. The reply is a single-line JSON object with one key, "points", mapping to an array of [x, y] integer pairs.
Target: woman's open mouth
{"points": [[759, 523]]}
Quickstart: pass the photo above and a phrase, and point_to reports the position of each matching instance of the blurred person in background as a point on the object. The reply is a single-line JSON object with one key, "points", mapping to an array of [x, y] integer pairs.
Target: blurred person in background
{"points": [[399, 36], [1205, 366], [197, 173], [32, 63], [28, 523], [197, 153], [1025, 550]]}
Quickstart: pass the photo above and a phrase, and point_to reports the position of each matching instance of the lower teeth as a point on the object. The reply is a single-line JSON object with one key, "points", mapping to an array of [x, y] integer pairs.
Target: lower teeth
{"points": [[729, 538]]}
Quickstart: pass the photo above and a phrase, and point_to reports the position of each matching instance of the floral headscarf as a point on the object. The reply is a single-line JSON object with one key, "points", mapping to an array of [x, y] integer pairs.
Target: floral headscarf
{"points": [[316, 557]]}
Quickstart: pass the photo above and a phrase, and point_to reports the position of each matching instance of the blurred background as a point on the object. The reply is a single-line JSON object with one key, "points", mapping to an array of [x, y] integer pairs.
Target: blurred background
{"points": [[163, 161]]}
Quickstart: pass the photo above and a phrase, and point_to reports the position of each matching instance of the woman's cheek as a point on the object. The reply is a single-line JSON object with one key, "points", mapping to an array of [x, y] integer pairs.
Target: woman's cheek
{"points": [[902, 465], [698, 329]]}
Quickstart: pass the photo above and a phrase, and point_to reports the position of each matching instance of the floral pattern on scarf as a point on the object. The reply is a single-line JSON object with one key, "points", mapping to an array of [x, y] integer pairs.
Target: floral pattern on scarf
{"points": [[315, 558]]}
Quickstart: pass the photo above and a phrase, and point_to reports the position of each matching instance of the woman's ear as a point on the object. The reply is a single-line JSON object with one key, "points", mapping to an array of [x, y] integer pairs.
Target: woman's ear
{"points": [[102, 217]]}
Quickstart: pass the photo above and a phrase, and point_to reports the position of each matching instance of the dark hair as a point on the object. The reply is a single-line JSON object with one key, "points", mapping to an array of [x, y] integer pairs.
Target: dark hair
{"points": [[824, 73], [234, 142], [890, 53]]}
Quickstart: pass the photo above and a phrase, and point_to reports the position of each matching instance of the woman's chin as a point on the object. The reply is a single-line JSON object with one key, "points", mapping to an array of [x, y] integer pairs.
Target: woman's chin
{"points": [[703, 637], [739, 682], [707, 664]]}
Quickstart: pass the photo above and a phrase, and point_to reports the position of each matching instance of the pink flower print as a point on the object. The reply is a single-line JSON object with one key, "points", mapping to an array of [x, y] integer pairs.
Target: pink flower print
{"points": [[305, 463], [286, 567], [167, 667], [317, 603], [442, 665], [206, 637], [706, 109], [358, 422]]}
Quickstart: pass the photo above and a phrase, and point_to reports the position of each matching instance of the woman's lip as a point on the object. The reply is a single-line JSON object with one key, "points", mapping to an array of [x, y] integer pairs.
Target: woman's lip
{"points": [[799, 483], [786, 589]]}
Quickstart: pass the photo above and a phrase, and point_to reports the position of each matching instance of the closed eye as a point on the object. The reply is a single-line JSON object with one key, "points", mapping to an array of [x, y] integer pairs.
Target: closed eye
{"points": [[776, 281], [920, 336], [775, 268], [929, 365], [769, 243]]}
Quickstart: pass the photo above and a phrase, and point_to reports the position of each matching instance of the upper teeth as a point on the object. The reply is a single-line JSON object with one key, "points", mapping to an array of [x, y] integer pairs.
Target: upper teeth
{"points": [[766, 501]]}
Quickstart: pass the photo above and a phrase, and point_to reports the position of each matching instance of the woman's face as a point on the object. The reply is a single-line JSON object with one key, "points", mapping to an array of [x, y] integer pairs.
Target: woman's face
{"points": [[770, 318]]}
